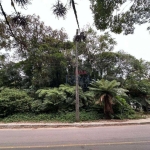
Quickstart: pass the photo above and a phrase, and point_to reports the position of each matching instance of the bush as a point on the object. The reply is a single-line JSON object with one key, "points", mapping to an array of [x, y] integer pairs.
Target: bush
{"points": [[48, 100], [122, 109], [14, 101], [45, 106]]}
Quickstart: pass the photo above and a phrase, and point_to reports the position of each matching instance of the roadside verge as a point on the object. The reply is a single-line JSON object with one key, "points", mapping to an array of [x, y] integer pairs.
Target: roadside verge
{"points": [[76, 124]]}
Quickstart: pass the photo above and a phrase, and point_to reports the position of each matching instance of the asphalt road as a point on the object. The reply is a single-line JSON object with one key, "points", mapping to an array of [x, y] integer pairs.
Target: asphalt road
{"points": [[133, 137]]}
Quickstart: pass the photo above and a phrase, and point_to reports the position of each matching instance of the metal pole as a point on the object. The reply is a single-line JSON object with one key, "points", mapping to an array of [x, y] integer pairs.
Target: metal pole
{"points": [[77, 84]]}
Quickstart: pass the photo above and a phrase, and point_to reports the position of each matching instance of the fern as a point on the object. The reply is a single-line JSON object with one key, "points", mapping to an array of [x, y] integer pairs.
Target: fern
{"points": [[104, 91], [105, 86]]}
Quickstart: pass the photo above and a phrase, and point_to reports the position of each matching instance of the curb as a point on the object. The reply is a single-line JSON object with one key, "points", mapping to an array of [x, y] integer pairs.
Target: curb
{"points": [[79, 125]]}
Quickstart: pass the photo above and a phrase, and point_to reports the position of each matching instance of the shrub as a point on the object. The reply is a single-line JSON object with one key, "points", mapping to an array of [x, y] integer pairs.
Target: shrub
{"points": [[13, 101], [122, 109], [49, 100]]}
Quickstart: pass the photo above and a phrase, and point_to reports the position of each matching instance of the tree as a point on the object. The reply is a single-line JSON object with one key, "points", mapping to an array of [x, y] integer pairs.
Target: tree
{"points": [[34, 34], [93, 47], [111, 14], [11, 75], [16, 18], [105, 91], [10, 72], [41, 56], [59, 9], [138, 86], [119, 66], [116, 65], [108, 14]]}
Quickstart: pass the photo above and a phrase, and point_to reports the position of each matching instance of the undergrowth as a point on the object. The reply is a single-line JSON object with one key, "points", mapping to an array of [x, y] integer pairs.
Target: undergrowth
{"points": [[53, 117], [64, 117]]}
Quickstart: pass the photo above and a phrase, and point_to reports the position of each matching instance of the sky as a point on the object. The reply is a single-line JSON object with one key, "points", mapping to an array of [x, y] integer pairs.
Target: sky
{"points": [[137, 44]]}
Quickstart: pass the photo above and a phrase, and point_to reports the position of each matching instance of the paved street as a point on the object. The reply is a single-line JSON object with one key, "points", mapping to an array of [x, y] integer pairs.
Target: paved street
{"points": [[133, 137]]}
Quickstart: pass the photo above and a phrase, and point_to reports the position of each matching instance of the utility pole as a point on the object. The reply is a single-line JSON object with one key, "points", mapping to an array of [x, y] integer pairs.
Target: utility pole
{"points": [[78, 38], [77, 82]]}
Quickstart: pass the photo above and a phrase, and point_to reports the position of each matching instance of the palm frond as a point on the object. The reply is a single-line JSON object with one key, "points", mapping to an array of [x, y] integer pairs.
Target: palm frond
{"points": [[107, 87], [22, 2], [59, 9], [54, 95], [113, 84], [121, 91], [67, 89]]}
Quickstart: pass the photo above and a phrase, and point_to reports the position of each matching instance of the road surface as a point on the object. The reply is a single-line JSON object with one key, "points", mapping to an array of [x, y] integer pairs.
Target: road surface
{"points": [[133, 137]]}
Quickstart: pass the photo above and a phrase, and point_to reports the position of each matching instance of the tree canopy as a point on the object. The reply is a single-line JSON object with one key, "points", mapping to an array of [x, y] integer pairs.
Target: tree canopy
{"points": [[117, 15], [120, 15]]}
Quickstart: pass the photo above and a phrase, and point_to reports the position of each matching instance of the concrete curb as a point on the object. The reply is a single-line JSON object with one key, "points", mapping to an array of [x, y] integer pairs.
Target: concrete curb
{"points": [[80, 125]]}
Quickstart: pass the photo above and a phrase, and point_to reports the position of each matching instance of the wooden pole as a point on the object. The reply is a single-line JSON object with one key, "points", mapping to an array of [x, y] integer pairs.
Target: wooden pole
{"points": [[77, 84]]}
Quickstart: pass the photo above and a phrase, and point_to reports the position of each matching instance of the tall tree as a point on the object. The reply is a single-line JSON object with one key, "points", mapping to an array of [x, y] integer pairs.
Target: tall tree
{"points": [[41, 58], [94, 46], [34, 34]]}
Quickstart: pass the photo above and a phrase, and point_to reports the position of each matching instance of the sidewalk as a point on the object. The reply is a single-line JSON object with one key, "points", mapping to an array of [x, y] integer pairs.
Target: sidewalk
{"points": [[76, 124]]}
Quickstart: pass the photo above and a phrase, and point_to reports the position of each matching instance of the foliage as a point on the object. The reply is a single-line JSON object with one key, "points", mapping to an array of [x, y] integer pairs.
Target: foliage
{"points": [[52, 117], [122, 109], [102, 86], [139, 92], [120, 16], [13, 101], [46, 57], [104, 91], [63, 117], [59, 99], [69, 91], [17, 19], [40, 59], [34, 34], [49, 100], [59, 10], [93, 47], [10, 75]]}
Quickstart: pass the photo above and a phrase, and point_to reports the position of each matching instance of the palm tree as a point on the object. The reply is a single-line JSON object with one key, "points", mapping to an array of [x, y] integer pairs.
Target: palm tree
{"points": [[60, 10], [105, 91]]}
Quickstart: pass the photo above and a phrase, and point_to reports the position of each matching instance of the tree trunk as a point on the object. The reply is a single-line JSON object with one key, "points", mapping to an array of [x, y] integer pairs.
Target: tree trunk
{"points": [[107, 107]]}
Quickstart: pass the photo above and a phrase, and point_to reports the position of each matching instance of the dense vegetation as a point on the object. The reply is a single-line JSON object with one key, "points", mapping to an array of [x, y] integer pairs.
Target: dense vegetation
{"points": [[39, 79]]}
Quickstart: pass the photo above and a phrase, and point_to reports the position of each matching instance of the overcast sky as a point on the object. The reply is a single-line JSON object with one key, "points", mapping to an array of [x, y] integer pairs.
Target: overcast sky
{"points": [[137, 44]]}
